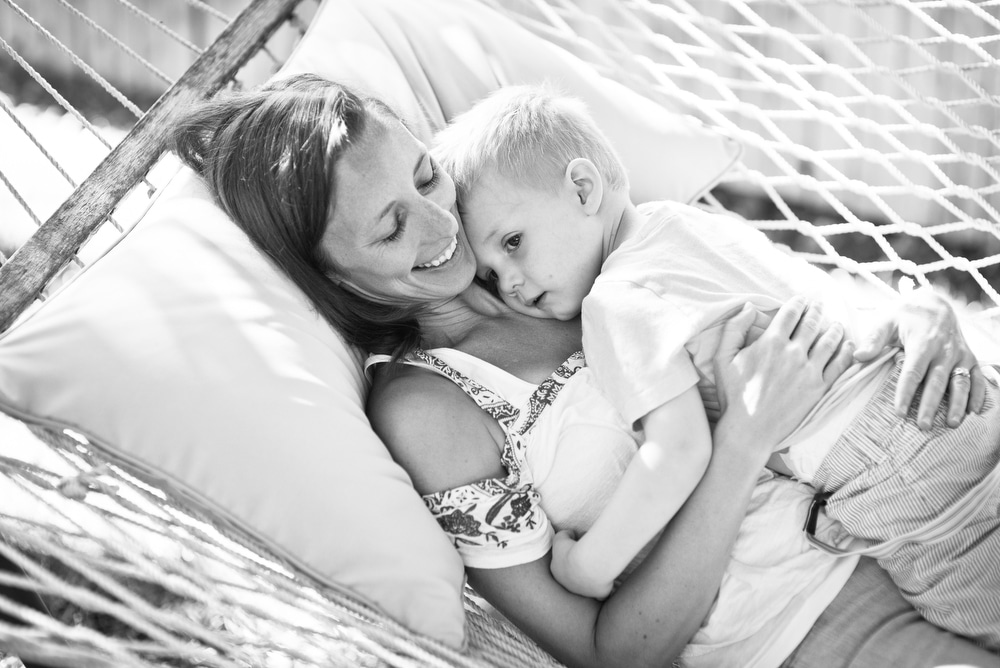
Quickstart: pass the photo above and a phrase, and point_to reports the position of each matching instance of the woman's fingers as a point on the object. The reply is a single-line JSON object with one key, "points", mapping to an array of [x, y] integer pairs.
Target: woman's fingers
{"points": [[840, 363], [832, 353], [734, 334], [961, 381], [977, 392], [934, 387], [914, 372], [811, 326], [767, 388], [959, 390], [761, 321], [878, 339], [827, 345], [930, 333], [967, 391], [786, 320]]}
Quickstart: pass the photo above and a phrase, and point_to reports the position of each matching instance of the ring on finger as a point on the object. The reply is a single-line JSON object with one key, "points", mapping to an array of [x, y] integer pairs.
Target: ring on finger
{"points": [[960, 372]]}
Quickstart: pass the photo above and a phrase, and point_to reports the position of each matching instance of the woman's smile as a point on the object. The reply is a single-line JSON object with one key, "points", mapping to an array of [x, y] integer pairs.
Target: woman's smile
{"points": [[448, 253], [393, 234]]}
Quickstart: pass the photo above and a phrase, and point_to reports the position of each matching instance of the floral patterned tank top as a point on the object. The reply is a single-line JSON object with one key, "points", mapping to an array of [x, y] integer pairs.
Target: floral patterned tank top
{"points": [[497, 521]]}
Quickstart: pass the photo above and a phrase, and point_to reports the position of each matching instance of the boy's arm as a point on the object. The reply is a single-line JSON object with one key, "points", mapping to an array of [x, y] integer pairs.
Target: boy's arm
{"points": [[655, 485]]}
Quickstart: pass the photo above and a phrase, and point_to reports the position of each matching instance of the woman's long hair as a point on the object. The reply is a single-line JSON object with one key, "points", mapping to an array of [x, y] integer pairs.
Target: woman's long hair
{"points": [[268, 156]]}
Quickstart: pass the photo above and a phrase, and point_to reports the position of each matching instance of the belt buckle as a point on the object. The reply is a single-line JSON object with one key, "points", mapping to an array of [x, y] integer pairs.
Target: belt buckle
{"points": [[812, 517]]}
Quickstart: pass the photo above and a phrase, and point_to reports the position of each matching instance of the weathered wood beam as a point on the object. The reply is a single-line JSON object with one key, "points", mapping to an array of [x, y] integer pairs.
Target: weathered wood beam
{"points": [[27, 271]]}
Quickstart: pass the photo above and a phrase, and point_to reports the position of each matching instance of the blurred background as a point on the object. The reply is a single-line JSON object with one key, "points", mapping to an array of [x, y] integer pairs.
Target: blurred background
{"points": [[873, 115], [53, 106]]}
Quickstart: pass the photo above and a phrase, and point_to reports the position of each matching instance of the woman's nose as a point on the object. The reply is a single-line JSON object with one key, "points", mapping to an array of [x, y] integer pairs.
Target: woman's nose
{"points": [[438, 221], [445, 195], [447, 200]]}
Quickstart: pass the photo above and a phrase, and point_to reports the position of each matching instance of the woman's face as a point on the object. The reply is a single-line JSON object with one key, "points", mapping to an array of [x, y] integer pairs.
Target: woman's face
{"points": [[394, 234]]}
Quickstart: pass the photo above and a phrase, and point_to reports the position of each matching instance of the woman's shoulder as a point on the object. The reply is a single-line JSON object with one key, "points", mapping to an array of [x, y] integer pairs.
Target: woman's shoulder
{"points": [[400, 393], [433, 429]]}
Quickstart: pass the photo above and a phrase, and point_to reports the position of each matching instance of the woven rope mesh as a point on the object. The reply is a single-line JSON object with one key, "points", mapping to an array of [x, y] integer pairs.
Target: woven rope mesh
{"points": [[75, 76], [106, 566], [870, 127], [871, 135]]}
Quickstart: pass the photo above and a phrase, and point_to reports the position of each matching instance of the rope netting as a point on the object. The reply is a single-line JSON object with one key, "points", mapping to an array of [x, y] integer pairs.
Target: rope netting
{"points": [[76, 77], [871, 135], [871, 127], [102, 565]]}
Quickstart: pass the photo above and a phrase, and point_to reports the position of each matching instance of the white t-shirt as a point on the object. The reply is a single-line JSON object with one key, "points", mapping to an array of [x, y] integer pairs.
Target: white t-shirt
{"points": [[653, 320]]}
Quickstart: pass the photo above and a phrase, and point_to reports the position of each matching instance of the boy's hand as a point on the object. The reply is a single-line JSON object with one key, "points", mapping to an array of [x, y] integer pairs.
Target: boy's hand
{"points": [[570, 574]]}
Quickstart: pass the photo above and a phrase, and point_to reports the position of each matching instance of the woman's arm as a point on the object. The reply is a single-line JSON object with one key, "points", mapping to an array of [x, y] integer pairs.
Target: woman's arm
{"points": [[652, 616], [767, 388], [439, 437], [444, 440], [434, 430]]}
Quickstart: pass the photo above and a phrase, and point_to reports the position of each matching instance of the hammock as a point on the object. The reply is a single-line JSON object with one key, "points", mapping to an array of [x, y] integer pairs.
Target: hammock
{"points": [[872, 148]]}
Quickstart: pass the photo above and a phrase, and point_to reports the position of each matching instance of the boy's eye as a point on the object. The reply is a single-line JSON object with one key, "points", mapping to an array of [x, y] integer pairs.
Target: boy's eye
{"points": [[512, 242], [489, 282]]}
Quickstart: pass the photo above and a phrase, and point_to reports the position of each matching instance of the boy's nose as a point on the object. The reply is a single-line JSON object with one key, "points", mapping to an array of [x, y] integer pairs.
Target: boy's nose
{"points": [[509, 283]]}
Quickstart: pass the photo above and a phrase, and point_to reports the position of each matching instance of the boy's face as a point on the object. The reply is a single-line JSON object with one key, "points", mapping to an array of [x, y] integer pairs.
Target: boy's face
{"points": [[536, 245]]}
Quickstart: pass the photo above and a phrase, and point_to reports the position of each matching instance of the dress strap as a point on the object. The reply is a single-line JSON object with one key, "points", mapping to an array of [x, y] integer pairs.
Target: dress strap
{"points": [[496, 523], [516, 422], [549, 389], [498, 408]]}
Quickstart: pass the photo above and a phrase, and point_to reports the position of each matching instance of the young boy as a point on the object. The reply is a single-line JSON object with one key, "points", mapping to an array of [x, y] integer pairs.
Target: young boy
{"points": [[545, 205]]}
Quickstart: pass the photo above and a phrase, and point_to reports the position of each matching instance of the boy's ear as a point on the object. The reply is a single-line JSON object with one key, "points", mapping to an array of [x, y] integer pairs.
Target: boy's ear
{"points": [[587, 184]]}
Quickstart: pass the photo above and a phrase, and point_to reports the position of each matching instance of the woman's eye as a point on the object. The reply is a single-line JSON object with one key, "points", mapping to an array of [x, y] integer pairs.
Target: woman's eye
{"points": [[432, 182], [398, 230], [512, 242]]}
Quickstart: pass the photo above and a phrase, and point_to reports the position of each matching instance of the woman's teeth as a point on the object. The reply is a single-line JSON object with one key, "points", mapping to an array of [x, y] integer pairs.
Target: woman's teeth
{"points": [[444, 257]]}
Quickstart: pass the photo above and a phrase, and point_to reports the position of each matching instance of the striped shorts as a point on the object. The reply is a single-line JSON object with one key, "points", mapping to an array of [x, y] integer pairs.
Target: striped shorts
{"points": [[887, 477]]}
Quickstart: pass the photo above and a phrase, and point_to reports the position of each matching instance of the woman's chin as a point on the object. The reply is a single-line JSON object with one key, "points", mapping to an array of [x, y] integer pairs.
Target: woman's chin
{"points": [[451, 278]]}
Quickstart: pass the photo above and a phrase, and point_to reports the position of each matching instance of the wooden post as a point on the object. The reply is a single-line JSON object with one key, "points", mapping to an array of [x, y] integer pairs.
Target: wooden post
{"points": [[29, 269]]}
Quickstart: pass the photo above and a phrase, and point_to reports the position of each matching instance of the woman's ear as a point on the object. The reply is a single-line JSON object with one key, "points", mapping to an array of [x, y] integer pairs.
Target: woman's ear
{"points": [[587, 184]]}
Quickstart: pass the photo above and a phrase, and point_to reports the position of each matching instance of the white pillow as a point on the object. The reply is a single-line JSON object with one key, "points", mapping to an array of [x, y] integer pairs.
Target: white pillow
{"points": [[184, 350], [432, 63]]}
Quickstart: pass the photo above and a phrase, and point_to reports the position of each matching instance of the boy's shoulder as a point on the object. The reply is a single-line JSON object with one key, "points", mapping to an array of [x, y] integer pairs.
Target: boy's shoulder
{"points": [[667, 222], [677, 221], [673, 236], [663, 211]]}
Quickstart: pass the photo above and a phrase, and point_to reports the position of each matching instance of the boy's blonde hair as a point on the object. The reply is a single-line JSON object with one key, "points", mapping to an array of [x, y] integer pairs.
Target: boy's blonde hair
{"points": [[528, 134]]}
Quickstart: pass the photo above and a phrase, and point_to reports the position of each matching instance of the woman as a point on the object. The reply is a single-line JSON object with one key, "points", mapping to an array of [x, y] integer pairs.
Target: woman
{"points": [[348, 203]]}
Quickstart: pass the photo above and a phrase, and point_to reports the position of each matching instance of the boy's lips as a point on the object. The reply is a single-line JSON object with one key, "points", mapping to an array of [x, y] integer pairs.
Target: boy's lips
{"points": [[536, 302]]}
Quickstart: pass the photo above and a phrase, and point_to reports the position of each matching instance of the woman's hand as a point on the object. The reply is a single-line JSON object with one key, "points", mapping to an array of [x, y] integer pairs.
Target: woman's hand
{"points": [[927, 328], [769, 386]]}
